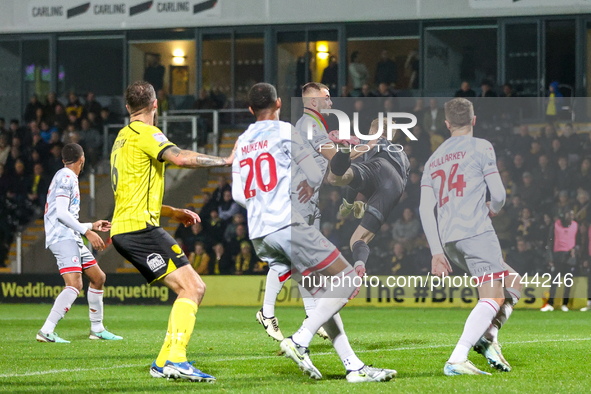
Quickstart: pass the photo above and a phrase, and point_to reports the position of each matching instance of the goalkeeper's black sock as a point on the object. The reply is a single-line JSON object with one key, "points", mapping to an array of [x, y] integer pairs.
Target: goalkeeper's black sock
{"points": [[360, 252], [340, 163]]}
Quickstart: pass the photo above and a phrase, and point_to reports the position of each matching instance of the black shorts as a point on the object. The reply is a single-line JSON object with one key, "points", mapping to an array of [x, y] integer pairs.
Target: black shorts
{"points": [[152, 251], [379, 180]]}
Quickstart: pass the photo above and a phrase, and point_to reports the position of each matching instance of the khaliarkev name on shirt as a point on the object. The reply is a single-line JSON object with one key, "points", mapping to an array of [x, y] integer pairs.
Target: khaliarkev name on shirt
{"points": [[446, 158], [254, 146]]}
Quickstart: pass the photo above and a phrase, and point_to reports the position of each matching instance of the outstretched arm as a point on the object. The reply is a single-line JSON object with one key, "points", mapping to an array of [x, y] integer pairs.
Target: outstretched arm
{"points": [[188, 218], [189, 159]]}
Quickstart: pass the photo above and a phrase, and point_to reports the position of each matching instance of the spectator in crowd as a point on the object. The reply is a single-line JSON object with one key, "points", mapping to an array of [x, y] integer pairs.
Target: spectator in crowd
{"points": [[345, 91], [31, 109], [564, 176], [228, 207], [60, 120], [39, 187], [583, 177], [330, 75], [230, 231], [386, 71], [235, 242], [570, 142], [74, 105], [533, 156], [522, 259], [2, 125], [543, 231], [465, 90], [358, 71], [521, 144], [39, 117], [407, 228], [51, 103], [582, 209], [154, 72], [510, 186], [92, 106], [519, 167], [563, 256], [218, 194], [399, 263], [215, 226], [199, 259], [208, 205], [530, 190], [564, 203], [221, 263], [365, 91], [247, 263], [546, 138], [553, 103], [91, 140], [545, 176], [434, 118], [419, 111], [486, 89], [197, 235], [383, 91], [422, 146], [107, 117], [413, 190], [205, 121], [525, 224], [508, 91], [73, 121]]}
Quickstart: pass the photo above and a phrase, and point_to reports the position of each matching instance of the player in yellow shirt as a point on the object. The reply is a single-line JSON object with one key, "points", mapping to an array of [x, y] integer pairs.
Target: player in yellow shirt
{"points": [[138, 162]]}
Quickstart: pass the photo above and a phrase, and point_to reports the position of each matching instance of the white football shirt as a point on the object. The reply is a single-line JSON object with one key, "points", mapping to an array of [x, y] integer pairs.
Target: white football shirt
{"points": [[455, 173], [263, 159], [63, 185]]}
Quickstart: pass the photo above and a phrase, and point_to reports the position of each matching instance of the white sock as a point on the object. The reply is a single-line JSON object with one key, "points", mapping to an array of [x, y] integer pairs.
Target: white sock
{"points": [[61, 306], [476, 324], [272, 288], [336, 331], [332, 301], [95, 309], [309, 301]]}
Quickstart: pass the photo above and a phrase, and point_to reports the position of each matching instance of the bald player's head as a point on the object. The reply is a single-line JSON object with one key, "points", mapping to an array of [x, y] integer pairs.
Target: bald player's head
{"points": [[316, 96]]}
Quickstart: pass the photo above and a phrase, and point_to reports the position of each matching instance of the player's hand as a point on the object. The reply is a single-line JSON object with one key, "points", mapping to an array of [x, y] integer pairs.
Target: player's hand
{"points": [[101, 225], [490, 212], [305, 192], [186, 217], [95, 240], [440, 266], [360, 269]]}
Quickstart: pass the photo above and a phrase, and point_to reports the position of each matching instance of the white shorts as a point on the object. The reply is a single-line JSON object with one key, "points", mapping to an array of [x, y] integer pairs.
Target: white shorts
{"points": [[72, 256], [299, 246], [480, 255]]}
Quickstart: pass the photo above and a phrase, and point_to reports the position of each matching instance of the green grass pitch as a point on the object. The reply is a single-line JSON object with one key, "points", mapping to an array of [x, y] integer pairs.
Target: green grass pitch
{"points": [[549, 352]]}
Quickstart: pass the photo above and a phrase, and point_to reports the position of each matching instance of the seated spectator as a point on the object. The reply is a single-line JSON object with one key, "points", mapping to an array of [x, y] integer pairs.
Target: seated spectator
{"points": [[514, 206], [91, 140], [221, 263], [519, 167], [247, 263], [71, 135], [570, 142], [422, 146], [73, 121], [582, 207], [39, 186], [434, 118], [406, 229], [525, 224], [234, 243], [74, 105], [556, 151], [547, 136], [218, 194], [92, 106], [54, 163], [533, 157], [215, 226], [530, 191], [508, 183], [199, 259], [399, 263], [5, 182], [563, 205], [384, 91], [208, 205], [564, 176], [545, 176], [49, 109], [228, 207], [583, 177], [465, 91], [60, 120], [31, 108], [230, 231], [197, 235]]}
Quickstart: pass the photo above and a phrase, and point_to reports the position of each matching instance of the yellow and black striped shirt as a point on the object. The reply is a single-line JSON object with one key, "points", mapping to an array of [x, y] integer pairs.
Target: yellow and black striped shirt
{"points": [[137, 177]]}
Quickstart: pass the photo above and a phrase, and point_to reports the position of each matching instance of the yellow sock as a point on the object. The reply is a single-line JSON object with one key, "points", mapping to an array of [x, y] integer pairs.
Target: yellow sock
{"points": [[165, 350], [182, 317]]}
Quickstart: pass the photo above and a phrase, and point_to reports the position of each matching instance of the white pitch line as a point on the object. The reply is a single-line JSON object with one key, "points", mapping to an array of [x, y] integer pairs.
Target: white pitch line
{"points": [[248, 358]]}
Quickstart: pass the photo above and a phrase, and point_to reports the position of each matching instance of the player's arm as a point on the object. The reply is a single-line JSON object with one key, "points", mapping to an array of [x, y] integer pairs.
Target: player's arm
{"points": [[439, 264], [498, 193], [188, 218], [189, 159], [65, 217], [304, 159]]}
